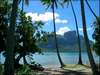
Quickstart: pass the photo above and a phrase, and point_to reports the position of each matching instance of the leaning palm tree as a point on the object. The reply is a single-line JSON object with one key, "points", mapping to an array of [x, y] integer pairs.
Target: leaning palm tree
{"points": [[97, 18], [90, 56], [78, 37], [9, 61], [52, 4]]}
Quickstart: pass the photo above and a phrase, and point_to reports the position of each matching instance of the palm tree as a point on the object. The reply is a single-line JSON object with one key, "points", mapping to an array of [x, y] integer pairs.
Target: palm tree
{"points": [[90, 56], [53, 3], [78, 37], [97, 19], [9, 61]]}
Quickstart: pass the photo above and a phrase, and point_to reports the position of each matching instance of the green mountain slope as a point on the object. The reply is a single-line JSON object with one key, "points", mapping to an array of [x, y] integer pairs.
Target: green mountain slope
{"points": [[67, 42]]}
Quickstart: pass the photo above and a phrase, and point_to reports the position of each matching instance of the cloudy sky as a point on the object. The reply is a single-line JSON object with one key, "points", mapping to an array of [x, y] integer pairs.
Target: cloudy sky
{"points": [[63, 16]]}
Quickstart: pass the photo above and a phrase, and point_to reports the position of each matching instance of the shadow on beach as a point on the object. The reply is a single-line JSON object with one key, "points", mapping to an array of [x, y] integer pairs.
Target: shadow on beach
{"points": [[66, 71], [70, 72]]}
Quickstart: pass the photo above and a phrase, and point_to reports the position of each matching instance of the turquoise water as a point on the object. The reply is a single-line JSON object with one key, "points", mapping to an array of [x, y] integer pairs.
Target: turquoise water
{"points": [[50, 58]]}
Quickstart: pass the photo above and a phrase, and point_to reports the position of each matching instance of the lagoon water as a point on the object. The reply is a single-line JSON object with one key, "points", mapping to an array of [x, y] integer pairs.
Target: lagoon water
{"points": [[50, 58]]}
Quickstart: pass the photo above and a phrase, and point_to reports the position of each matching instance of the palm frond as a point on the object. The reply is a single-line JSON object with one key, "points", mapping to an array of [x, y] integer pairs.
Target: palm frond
{"points": [[49, 3]]}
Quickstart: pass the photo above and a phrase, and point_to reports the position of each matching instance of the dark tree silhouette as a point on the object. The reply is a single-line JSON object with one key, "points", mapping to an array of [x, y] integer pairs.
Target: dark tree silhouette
{"points": [[9, 61], [78, 37], [52, 4], [90, 56]]}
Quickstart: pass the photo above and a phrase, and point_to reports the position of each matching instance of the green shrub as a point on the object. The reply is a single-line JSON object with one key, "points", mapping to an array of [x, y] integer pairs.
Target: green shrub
{"points": [[24, 70]]}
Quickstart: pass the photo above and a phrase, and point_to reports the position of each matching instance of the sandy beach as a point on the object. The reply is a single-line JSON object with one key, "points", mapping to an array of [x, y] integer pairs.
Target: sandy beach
{"points": [[70, 69]]}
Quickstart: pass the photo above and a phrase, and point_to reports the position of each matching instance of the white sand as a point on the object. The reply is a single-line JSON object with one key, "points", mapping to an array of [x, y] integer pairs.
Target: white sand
{"points": [[69, 69]]}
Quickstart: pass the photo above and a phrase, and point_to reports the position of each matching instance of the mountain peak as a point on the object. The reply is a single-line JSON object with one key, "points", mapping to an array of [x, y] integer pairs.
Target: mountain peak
{"points": [[66, 42]]}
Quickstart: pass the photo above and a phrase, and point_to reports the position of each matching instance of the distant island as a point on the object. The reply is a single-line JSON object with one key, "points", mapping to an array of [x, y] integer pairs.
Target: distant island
{"points": [[66, 42]]}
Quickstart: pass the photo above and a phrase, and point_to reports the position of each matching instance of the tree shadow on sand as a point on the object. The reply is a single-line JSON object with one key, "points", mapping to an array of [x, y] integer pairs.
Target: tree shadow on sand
{"points": [[70, 72], [63, 72]]}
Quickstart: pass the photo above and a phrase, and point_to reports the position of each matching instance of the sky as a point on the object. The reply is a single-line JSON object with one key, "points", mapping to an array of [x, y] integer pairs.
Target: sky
{"points": [[63, 16]]}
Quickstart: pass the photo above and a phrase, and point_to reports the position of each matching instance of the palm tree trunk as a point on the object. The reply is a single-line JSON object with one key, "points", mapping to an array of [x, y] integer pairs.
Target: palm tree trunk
{"points": [[9, 61], [90, 56], [16, 62], [93, 11], [78, 37], [24, 60], [58, 54], [18, 58]]}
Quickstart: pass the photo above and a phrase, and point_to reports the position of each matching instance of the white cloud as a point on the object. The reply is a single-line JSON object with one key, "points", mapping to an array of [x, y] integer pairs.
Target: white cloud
{"points": [[45, 17], [60, 21], [61, 31], [34, 16], [88, 29]]}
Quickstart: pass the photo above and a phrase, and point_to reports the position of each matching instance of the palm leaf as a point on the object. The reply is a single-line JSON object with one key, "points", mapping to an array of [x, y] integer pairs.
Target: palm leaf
{"points": [[49, 3]]}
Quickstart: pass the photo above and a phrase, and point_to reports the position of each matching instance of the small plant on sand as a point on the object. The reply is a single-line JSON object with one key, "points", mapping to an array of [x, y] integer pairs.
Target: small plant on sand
{"points": [[24, 70]]}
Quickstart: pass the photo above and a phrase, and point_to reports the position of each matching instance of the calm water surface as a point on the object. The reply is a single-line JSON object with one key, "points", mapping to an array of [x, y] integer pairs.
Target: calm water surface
{"points": [[50, 58]]}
